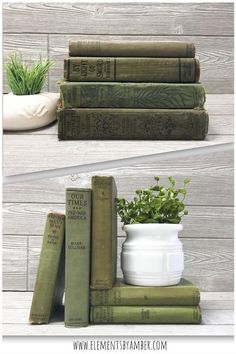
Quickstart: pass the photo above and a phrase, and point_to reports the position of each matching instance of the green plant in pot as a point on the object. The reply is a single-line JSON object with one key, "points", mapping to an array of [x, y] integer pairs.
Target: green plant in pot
{"points": [[26, 106], [152, 254]]}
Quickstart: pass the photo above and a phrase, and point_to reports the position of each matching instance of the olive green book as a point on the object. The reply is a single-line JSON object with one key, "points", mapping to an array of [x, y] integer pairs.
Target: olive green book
{"points": [[77, 267], [131, 95], [131, 48], [183, 294], [132, 69], [145, 314], [130, 123], [104, 232], [49, 283]]}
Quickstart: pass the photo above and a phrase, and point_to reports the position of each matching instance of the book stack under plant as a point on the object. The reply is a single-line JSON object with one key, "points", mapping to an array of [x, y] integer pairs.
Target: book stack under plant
{"points": [[87, 238], [144, 90]]}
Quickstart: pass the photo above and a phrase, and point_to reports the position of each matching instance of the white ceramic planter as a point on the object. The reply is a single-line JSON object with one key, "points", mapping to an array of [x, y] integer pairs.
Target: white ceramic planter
{"points": [[152, 254], [29, 111]]}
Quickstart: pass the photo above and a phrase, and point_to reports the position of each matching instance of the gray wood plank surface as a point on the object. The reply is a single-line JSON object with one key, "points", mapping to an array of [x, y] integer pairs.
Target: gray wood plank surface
{"points": [[106, 18], [29, 219], [216, 320], [48, 153], [215, 55], [14, 266]]}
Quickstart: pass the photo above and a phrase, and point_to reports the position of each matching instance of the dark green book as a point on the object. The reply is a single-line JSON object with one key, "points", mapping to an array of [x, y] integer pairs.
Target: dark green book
{"points": [[131, 95], [145, 314], [78, 230], [131, 48], [49, 283], [104, 232], [131, 69], [129, 123], [121, 294]]}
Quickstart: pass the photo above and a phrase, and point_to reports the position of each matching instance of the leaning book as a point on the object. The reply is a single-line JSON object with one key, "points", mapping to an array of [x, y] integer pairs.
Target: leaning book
{"points": [[49, 284]]}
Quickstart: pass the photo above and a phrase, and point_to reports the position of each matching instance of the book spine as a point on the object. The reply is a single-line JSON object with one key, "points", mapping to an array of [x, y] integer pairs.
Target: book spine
{"points": [[46, 297], [131, 95], [104, 233], [78, 229], [145, 296], [143, 124], [145, 314], [131, 69], [131, 49]]}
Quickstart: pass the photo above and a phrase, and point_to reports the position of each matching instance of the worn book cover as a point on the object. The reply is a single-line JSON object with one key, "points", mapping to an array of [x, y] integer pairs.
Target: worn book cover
{"points": [[49, 283], [183, 294], [78, 233], [129, 123], [104, 232], [131, 48], [132, 69], [131, 95], [145, 314]]}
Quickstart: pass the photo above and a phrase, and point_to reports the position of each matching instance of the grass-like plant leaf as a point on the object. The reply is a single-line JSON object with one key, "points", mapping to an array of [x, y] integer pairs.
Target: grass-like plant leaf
{"points": [[157, 204], [24, 80]]}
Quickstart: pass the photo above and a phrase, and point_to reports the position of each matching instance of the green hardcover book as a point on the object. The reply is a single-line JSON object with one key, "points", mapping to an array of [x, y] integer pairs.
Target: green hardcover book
{"points": [[145, 314], [131, 95], [49, 284], [183, 294], [132, 69], [129, 123], [78, 233], [104, 232], [131, 48]]}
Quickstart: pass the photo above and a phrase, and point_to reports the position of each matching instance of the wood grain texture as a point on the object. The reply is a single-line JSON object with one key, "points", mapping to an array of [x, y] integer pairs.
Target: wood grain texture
{"points": [[29, 219], [215, 55], [48, 153], [14, 266], [208, 263], [137, 18], [30, 46]]}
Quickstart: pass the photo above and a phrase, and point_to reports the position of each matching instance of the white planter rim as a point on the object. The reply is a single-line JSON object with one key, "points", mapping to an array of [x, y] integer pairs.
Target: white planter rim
{"points": [[152, 226], [44, 93]]}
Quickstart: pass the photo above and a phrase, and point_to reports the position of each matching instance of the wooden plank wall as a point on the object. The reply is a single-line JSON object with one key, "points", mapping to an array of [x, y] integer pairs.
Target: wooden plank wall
{"points": [[46, 28], [208, 229]]}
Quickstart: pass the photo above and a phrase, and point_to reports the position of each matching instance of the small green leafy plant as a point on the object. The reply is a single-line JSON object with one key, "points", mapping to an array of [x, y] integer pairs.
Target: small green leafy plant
{"points": [[157, 204], [23, 80]]}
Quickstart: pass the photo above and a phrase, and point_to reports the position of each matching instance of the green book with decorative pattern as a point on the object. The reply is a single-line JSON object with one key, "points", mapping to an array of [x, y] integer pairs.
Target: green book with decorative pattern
{"points": [[131, 48], [131, 95], [131, 69], [129, 123], [49, 283], [183, 294], [145, 314], [77, 268]]}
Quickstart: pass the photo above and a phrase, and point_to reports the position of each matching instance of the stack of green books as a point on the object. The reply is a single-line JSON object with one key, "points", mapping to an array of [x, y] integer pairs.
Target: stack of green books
{"points": [[131, 90], [87, 238]]}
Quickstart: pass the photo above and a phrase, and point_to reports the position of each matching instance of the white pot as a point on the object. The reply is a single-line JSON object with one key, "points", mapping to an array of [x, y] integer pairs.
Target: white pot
{"points": [[23, 112], [152, 254]]}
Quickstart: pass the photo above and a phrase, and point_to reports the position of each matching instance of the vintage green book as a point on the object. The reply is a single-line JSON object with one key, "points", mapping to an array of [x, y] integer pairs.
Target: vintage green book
{"points": [[104, 232], [131, 95], [129, 123], [131, 48], [77, 272], [145, 314], [132, 69], [121, 294], [49, 283]]}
